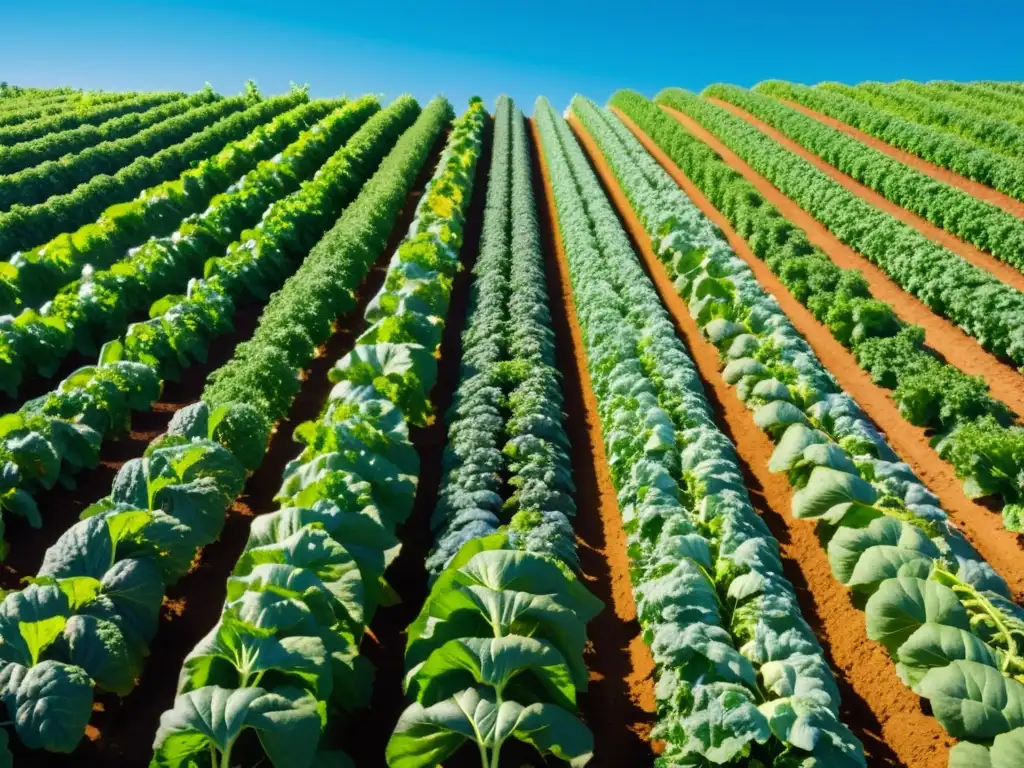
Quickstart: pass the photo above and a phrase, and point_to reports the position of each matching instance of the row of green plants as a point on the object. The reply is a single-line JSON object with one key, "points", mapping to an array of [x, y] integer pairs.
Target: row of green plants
{"points": [[36, 184], [53, 146], [972, 97], [944, 615], [936, 146], [33, 277], [740, 677], [89, 311], [17, 107], [906, 99], [165, 505], [969, 296], [283, 659], [985, 225], [970, 429], [496, 651], [25, 227], [62, 112], [49, 439], [1010, 103]]}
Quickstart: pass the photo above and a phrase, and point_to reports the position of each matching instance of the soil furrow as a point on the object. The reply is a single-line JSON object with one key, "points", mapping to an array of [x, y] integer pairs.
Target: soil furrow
{"points": [[940, 334], [882, 712], [122, 729], [1004, 272], [365, 735], [937, 172], [982, 527], [619, 704]]}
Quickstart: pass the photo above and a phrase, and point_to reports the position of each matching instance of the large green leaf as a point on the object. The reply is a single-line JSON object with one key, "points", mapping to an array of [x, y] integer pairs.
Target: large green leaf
{"points": [[235, 654], [99, 648], [426, 736], [973, 701], [863, 557], [461, 663], [50, 704], [723, 724], [791, 446], [212, 718], [827, 487], [936, 645], [900, 606]]}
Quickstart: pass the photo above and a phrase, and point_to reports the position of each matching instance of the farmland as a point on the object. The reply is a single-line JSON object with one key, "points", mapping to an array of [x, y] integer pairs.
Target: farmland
{"points": [[678, 430]]}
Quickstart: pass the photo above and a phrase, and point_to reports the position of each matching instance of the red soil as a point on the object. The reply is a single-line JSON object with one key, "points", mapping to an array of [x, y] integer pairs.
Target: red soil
{"points": [[883, 713], [122, 729], [619, 705], [983, 528], [940, 334], [937, 172], [1004, 272]]}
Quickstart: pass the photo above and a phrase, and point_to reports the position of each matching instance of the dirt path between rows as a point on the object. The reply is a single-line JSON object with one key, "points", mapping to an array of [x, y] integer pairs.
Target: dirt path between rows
{"points": [[881, 711], [619, 705], [121, 732], [982, 527], [1004, 272], [941, 335], [937, 172]]}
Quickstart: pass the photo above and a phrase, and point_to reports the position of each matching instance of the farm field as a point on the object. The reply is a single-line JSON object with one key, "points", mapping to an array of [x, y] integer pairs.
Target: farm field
{"points": [[677, 430]]}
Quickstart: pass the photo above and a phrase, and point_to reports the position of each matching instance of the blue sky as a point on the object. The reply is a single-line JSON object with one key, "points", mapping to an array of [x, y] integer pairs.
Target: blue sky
{"points": [[523, 48]]}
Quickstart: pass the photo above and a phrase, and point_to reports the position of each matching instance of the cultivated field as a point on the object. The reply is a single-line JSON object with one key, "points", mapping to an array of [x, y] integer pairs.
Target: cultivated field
{"points": [[673, 432]]}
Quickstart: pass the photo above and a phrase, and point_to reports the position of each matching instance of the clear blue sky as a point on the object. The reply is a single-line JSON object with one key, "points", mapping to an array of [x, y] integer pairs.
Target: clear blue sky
{"points": [[523, 48]]}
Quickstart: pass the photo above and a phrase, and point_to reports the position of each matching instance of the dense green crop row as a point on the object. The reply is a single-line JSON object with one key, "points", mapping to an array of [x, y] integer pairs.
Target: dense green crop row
{"points": [[503, 605], [942, 612], [978, 99], [24, 227], [63, 108], [902, 99], [971, 297], [52, 437], [88, 312], [32, 186], [720, 664], [57, 145], [286, 647], [102, 583], [986, 226], [935, 146], [975, 429]]}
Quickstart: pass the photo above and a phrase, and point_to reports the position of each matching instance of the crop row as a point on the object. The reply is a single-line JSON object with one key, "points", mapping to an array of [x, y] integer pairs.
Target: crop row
{"points": [[971, 297], [973, 97], [17, 107], [905, 99], [712, 600], [976, 432], [14, 158], [52, 437], [34, 185], [960, 213], [170, 502], [942, 612], [943, 149], [89, 311], [34, 277], [38, 118], [500, 636], [23, 227], [311, 574]]}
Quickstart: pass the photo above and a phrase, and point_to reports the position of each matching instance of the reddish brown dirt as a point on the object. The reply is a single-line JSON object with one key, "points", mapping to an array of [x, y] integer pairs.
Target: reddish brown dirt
{"points": [[122, 729], [385, 646], [1004, 272], [882, 712], [619, 705], [61, 507], [941, 335], [983, 528], [937, 172]]}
